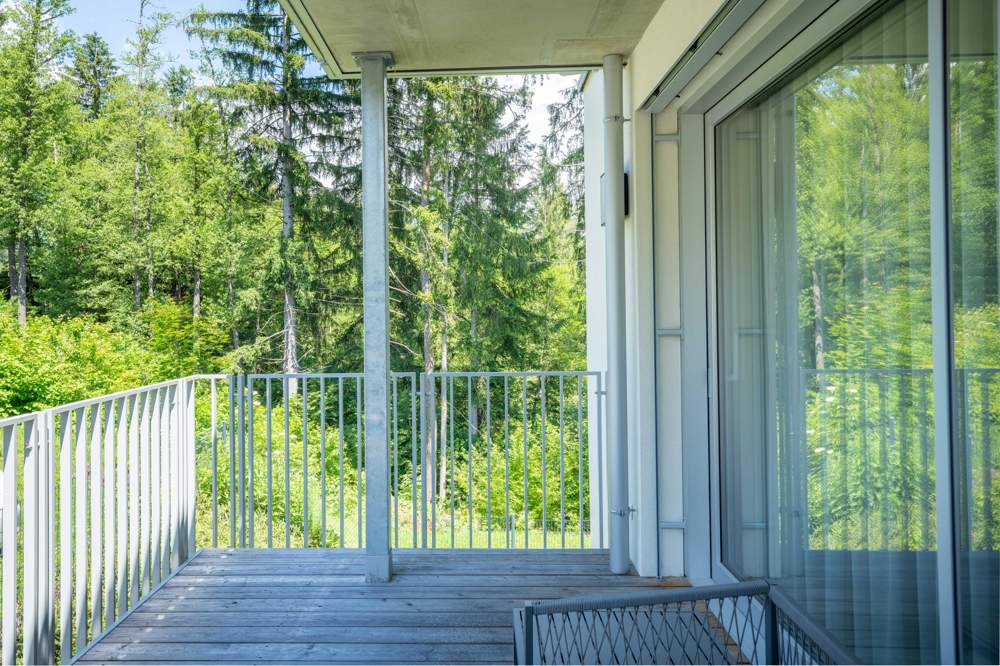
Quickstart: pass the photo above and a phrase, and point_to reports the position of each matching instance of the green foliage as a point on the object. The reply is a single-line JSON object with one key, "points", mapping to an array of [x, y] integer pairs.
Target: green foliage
{"points": [[52, 362]]}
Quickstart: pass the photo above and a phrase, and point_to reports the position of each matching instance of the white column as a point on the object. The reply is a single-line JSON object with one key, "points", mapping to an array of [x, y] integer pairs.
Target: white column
{"points": [[374, 200], [614, 223]]}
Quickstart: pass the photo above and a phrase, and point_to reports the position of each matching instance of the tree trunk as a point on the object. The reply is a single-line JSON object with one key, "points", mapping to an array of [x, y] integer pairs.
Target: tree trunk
{"points": [[290, 354], [444, 350], [22, 281], [196, 292], [234, 334], [150, 273], [12, 266], [817, 302], [430, 437]]}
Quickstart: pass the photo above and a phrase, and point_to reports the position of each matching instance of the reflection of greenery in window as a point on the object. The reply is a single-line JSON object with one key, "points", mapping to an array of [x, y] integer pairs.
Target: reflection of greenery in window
{"points": [[862, 212], [976, 324], [976, 311]]}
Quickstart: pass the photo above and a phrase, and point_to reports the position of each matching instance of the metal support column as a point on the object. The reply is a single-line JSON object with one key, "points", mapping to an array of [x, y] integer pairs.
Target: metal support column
{"points": [[375, 195], [614, 223]]}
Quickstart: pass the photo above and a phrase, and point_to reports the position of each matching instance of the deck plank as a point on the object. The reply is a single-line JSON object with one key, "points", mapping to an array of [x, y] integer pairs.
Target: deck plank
{"points": [[297, 605]]}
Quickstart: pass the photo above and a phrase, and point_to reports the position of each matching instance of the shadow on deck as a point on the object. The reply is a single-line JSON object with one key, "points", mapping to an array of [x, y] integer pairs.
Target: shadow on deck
{"points": [[314, 606]]}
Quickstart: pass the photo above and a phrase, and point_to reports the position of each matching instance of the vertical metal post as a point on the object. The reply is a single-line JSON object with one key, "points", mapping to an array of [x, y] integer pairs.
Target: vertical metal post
{"points": [[9, 563], [614, 225], [941, 340], [772, 650], [374, 177], [529, 633]]}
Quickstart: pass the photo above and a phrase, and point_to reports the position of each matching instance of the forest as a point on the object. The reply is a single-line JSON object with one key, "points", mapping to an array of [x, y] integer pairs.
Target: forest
{"points": [[163, 219]]}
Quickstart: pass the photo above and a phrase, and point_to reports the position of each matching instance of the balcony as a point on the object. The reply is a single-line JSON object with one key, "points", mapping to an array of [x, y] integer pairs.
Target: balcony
{"points": [[222, 518]]}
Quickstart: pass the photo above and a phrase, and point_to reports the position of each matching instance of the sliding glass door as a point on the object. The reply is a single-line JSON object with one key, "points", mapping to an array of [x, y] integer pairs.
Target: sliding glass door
{"points": [[824, 332], [975, 312]]}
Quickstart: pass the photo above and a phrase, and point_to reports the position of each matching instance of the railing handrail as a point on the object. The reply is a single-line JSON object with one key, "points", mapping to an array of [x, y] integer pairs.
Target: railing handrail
{"points": [[673, 595], [117, 395]]}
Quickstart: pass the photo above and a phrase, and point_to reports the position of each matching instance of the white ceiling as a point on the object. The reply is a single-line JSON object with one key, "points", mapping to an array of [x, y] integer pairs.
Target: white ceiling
{"points": [[453, 36]]}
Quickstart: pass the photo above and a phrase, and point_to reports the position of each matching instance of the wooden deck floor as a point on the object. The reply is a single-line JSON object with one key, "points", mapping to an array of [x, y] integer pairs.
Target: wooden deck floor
{"points": [[314, 606]]}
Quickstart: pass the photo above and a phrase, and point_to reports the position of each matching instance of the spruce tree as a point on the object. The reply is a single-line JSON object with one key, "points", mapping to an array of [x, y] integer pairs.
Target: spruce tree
{"points": [[299, 125]]}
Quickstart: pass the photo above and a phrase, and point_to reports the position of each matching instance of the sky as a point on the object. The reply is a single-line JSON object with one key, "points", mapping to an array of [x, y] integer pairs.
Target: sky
{"points": [[115, 20]]}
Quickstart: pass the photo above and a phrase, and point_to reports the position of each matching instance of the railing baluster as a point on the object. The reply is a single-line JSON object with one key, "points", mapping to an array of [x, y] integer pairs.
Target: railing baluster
{"points": [[432, 454], [109, 513], [598, 402], [987, 459], [214, 444], [506, 459], [413, 453], [251, 501], [145, 502], [166, 498], [360, 468], [423, 460], [340, 453], [489, 472], [65, 537], [395, 461], [176, 488], [545, 500], [579, 453], [469, 418], [524, 464], [80, 527], [562, 465], [10, 545], [96, 524], [32, 556], [305, 462], [231, 427], [241, 452], [270, 487], [121, 500], [156, 481], [925, 493], [884, 460], [448, 439], [322, 460], [288, 478], [48, 537], [865, 468], [844, 495], [134, 463]]}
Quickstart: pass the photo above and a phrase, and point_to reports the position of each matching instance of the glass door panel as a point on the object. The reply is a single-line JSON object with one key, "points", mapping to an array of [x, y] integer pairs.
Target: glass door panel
{"points": [[824, 335]]}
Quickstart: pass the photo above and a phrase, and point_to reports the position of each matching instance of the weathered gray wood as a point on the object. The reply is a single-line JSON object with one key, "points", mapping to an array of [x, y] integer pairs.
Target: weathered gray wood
{"points": [[444, 580], [182, 591], [332, 634], [428, 568], [298, 652], [343, 618], [246, 606], [371, 604]]}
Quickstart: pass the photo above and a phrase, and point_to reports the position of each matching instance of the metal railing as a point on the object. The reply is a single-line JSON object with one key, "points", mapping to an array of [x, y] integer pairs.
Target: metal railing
{"points": [[742, 623], [868, 435], [98, 509], [477, 459], [105, 498]]}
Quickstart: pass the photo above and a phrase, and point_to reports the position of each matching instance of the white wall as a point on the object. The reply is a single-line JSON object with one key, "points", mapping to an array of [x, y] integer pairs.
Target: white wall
{"points": [[650, 476]]}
